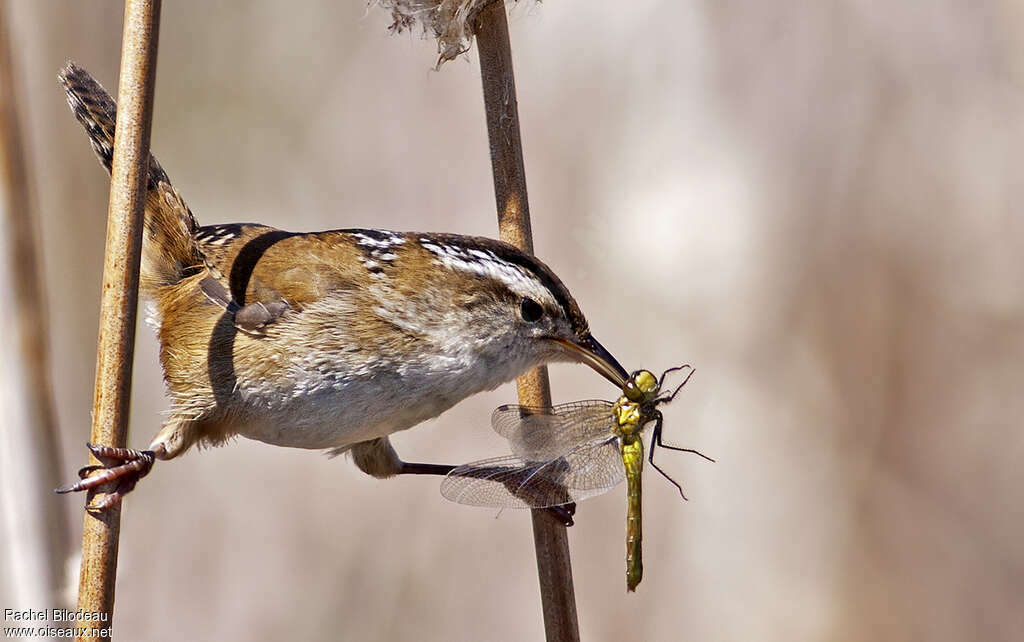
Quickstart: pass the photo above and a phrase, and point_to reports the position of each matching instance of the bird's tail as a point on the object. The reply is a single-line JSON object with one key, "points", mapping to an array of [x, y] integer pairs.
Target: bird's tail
{"points": [[169, 251]]}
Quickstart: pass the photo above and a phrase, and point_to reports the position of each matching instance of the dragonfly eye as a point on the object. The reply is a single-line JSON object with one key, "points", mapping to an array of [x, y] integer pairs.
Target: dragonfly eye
{"points": [[647, 382], [631, 391], [643, 385]]}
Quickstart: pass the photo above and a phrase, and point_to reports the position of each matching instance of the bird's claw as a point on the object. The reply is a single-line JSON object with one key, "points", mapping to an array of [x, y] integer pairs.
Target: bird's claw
{"points": [[563, 513], [121, 465]]}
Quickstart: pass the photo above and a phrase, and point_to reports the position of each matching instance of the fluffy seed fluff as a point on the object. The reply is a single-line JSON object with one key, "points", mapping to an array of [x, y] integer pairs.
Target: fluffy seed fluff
{"points": [[450, 21]]}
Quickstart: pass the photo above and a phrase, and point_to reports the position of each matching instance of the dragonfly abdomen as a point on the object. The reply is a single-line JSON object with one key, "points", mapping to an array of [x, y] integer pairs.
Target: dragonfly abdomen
{"points": [[633, 461]]}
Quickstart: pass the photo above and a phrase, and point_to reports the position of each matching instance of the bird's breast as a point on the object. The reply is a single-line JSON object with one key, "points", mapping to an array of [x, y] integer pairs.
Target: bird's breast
{"points": [[321, 405]]}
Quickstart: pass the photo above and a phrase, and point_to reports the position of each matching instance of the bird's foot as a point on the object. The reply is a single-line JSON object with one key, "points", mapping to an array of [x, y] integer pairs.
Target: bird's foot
{"points": [[562, 513], [121, 465]]}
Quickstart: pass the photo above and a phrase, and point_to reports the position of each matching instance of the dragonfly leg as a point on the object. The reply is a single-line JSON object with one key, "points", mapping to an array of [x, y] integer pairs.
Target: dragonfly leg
{"points": [[656, 436], [661, 380], [657, 441], [669, 398], [650, 459]]}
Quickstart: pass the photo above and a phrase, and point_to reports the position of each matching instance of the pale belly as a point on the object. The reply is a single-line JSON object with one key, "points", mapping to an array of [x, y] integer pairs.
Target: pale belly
{"points": [[318, 403], [356, 410], [332, 423]]}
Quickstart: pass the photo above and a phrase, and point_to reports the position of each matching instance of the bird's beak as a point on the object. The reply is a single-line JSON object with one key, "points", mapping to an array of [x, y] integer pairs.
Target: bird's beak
{"points": [[592, 353]]}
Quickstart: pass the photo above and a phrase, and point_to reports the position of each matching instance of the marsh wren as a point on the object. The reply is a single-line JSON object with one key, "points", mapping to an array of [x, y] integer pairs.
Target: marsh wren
{"points": [[327, 340]]}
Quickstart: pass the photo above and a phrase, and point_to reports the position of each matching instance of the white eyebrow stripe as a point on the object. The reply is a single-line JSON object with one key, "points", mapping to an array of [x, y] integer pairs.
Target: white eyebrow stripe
{"points": [[486, 263]]}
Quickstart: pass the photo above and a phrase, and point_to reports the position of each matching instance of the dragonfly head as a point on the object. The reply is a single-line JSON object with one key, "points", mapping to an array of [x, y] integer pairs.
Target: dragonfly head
{"points": [[641, 387]]}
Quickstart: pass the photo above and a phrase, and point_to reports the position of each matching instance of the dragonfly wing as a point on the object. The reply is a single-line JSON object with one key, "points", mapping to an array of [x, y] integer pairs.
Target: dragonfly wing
{"points": [[544, 433], [589, 469], [493, 482], [594, 468]]}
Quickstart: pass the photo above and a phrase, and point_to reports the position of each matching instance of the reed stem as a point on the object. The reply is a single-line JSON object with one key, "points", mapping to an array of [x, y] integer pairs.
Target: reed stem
{"points": [[551, 543], [119, 299]]}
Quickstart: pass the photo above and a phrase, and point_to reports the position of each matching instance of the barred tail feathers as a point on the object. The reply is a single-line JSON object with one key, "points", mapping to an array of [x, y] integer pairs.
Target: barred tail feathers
{"points": [[168, 249]]}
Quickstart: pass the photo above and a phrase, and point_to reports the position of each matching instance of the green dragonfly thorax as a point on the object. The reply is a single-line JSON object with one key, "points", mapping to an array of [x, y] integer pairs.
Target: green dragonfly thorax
{"points": [[636, 406]]}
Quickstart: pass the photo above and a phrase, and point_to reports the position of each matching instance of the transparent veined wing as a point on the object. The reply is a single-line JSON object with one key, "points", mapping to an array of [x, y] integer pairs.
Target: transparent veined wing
{"points": [[589, 469], [539, 434]]}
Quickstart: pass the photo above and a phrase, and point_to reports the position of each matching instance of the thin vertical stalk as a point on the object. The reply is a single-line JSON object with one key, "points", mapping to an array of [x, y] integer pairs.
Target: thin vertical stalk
{"points": [[119, 300], [554, 568], [35, 527]]}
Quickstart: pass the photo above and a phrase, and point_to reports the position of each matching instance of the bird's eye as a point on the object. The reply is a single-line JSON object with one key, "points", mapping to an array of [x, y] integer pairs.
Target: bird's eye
{"points": [[531, 310]]}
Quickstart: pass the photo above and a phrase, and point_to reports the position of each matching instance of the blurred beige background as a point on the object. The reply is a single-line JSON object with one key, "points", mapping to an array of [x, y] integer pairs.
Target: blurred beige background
{"points": [[816, 205]]}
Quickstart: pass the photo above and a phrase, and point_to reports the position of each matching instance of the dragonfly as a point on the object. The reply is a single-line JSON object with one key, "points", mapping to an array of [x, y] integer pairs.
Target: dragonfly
{"points": [[569, 452]]}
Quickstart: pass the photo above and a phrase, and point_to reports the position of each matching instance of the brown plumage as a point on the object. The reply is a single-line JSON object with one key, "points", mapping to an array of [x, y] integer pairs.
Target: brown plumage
{"points": [[168, 249], [327, 340]]}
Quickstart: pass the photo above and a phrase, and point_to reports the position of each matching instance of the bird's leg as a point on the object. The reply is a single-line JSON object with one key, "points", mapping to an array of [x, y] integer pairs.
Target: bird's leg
{"points": [[379, 459], [562, 513], [410, 468]]}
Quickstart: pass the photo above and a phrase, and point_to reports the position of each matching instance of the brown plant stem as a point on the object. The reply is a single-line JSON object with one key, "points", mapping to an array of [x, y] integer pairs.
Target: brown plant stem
{"points": [[119, 300], [551, 542], [36, 527]]}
